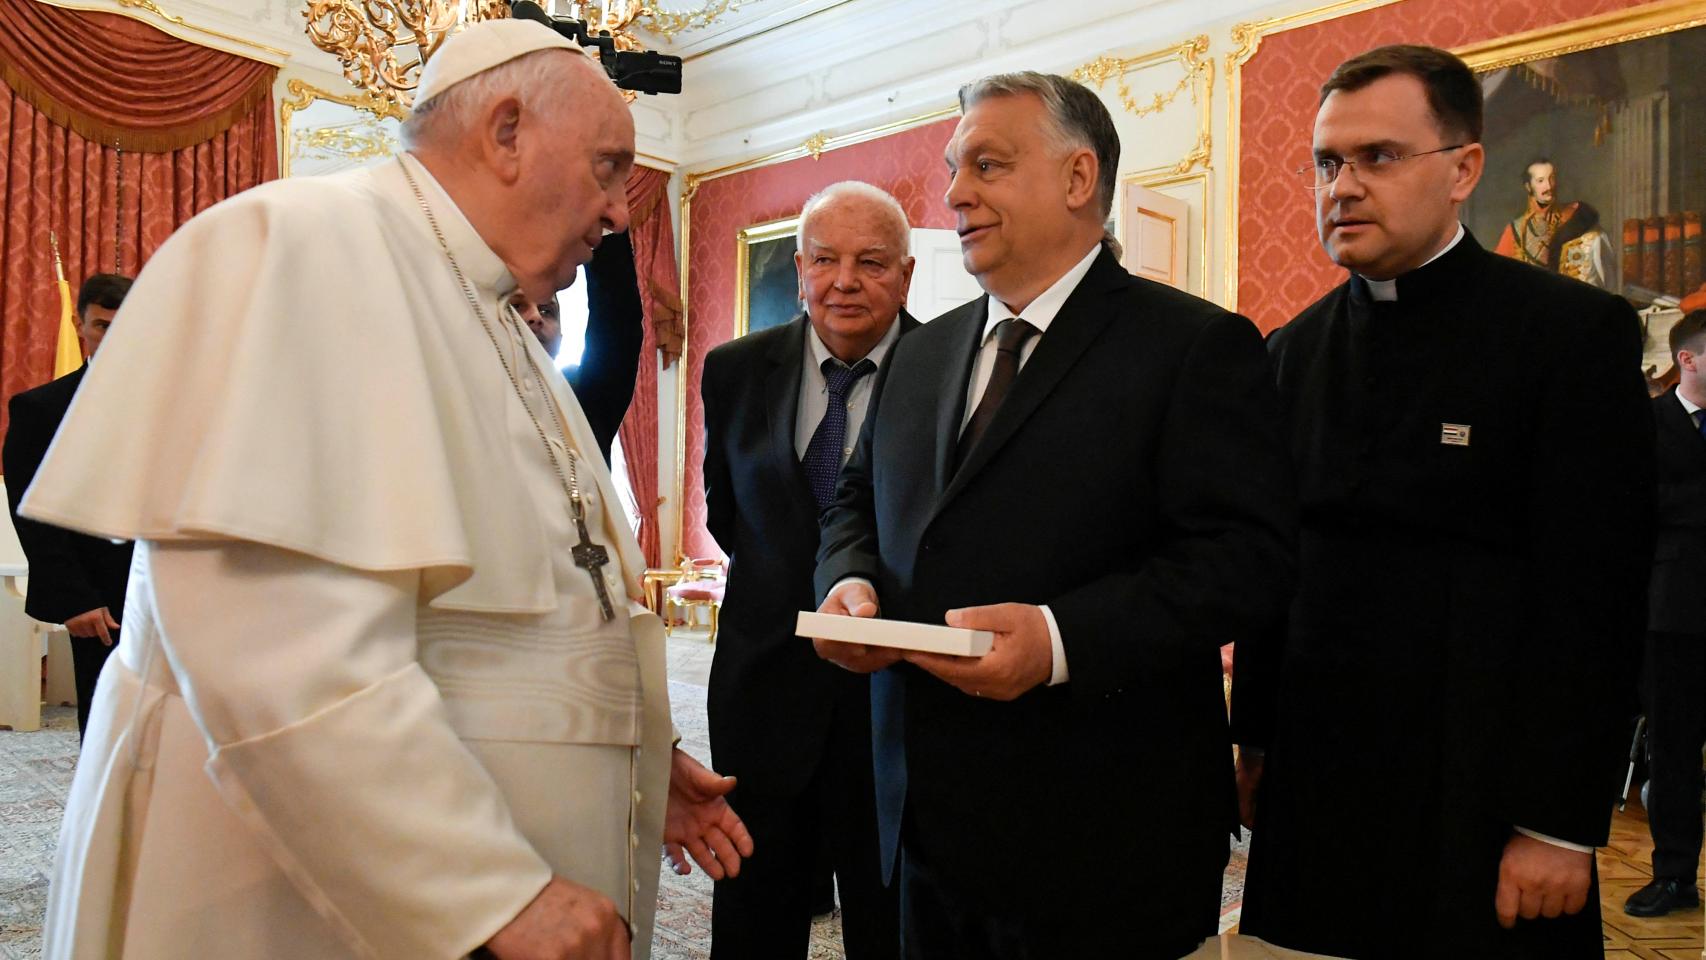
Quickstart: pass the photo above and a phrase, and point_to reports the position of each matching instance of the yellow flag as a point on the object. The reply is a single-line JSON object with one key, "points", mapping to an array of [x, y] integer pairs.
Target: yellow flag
{"points": [[69, 355]]}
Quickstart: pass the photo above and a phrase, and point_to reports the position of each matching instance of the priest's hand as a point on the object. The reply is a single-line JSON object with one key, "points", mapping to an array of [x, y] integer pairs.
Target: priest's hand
{"points": [[565, 922], [96, 623], [855, 598], [1540, 879], [1021, 658], [700, 820]]}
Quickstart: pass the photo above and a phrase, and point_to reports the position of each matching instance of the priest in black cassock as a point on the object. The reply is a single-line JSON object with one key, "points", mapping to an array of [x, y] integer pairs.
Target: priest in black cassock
{"points": [[1444, 715]]}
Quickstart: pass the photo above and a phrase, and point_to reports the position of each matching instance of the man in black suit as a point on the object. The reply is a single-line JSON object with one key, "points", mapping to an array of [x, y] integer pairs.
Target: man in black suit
{"points": [[1676, 633], [1089, 465], [782, 409], [75, 579], [1444, 714]]}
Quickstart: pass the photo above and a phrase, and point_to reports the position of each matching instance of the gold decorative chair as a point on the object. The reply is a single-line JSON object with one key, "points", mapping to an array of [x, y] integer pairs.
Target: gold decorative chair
{"points": [[701, 585]]}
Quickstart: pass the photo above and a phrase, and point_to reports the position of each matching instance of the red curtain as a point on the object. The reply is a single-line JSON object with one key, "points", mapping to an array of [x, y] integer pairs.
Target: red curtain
{"points": [[653, 236], [110, 206]]}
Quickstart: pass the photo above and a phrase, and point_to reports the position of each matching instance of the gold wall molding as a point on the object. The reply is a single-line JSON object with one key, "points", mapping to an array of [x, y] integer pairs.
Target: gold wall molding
{"points": [[149, 12], [1619, 26], [757, 233], [301, 93], [1247, 39]]}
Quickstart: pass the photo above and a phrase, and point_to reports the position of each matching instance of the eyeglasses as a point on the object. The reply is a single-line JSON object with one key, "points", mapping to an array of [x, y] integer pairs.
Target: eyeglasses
{"points": [[1370, 164]]}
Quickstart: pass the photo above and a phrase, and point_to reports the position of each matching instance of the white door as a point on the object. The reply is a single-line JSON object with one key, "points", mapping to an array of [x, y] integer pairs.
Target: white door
{"points": [[1154, 228], [939, 278]]}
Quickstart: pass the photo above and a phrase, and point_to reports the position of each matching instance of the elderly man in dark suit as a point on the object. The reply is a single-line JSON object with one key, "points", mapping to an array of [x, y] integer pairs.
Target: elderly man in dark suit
{"points": [[1444, 718], [1676, 632], [75, 579], [1089, 465], [782, 408]]}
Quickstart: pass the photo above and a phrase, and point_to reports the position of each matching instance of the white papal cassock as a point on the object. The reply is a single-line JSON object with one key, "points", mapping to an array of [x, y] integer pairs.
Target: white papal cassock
{"points": [[364, 705]]}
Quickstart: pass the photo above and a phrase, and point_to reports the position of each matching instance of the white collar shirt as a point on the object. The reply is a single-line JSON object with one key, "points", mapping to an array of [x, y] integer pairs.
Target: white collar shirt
{"points": [[1040, 313], [814, 390]]}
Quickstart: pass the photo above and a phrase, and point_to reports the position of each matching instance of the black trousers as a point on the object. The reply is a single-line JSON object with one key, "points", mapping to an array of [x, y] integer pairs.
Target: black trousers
{"points": [[1676, 728], [766, 912], [88, 656]]}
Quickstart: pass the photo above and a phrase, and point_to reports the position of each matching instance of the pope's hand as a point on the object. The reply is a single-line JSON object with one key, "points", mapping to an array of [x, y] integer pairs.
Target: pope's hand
{"points": [[96, 623], [1021, 657], [565, 921], [699, 819], [1540, 879], [853, 599]]}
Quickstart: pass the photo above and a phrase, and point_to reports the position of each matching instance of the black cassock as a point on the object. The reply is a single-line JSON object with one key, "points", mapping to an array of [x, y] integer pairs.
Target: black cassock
{"points": [[1475, 470]]}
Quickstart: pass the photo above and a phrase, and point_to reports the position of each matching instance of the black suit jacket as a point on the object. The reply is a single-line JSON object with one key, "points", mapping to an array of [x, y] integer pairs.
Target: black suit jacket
{"points": [[1134, 481], [70, 573], [771, 699], [604, 379], [1677, 592]]}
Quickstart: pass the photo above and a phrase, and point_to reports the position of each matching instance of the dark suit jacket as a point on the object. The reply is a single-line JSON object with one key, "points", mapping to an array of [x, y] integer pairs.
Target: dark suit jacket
{"points": [[70, 573], [604, 379], [771, 699], [1677, 592], [1134, 481]]}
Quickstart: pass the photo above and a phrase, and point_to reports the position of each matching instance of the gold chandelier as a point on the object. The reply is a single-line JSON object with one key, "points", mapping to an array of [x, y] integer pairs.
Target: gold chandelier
{"points": [[383, 44]]}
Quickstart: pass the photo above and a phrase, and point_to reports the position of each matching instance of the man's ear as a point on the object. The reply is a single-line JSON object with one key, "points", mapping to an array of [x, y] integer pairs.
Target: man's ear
{"points": [[1081, 178], [1471, 161], [500, 139]]}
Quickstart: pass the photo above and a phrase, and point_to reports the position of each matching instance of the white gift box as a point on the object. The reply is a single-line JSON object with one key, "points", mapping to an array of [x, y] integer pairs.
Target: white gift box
{"points": [[927, 637]]}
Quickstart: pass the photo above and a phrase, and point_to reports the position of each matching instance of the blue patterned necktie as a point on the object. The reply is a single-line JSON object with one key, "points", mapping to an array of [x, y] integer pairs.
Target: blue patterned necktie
{"points": [[822, 461], [1701, 426]]}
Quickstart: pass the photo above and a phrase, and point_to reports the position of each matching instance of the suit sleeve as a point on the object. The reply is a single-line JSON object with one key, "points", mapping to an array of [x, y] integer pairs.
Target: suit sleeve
{"points": [[719, 489], [1227, 503], [60, 586], [604, 379], [847, 539], [332, 745], [1589, 556]]}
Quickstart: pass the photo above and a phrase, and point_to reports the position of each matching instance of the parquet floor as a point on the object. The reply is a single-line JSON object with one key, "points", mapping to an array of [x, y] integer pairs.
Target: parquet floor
{"points": [[1625, 865]]}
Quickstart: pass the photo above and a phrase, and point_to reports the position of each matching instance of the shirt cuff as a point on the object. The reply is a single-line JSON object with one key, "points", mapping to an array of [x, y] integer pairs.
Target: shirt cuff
{"points": [[1059, 675], [844, 581], [1567, 845]]}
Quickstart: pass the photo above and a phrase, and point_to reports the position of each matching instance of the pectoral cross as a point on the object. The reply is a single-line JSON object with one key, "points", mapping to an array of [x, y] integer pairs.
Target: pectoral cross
{"points": [[591, 557]]}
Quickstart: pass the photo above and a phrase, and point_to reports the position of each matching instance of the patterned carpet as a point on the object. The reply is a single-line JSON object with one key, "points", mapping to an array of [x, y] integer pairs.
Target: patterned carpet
{"points": [[36, 768]]}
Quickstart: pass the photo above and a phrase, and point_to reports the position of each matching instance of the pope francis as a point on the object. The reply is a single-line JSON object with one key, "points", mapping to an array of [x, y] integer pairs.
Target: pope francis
{"points": [[384, 690]]}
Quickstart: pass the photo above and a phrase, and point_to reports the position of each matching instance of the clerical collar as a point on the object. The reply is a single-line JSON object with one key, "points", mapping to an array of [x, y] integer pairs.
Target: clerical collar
{"points": [[1040, 312], [484, 268], [820, 352], [1387, 290]]}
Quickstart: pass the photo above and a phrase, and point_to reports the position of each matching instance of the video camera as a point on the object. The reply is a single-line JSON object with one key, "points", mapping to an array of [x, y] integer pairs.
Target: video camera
{"points": [[644, 71]]}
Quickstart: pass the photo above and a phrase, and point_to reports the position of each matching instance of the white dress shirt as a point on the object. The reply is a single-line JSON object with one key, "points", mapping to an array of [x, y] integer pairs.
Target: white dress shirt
{"points": [[1692, 408], [814, 390], [1387, 290]]}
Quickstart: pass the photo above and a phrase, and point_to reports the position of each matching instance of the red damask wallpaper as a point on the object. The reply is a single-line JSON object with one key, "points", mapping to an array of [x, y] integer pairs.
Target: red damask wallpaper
{"points": [[1281, 267], [907, 164]]}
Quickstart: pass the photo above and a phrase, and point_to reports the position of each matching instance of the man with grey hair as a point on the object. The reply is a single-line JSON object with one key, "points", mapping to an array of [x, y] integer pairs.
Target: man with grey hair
{"points": [[385, 690], [1088, 465], [782, 408]]}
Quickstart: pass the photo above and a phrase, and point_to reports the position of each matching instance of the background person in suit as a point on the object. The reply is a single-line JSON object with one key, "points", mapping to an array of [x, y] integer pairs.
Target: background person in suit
{"points": [[782, 408], [75, 579], [1676, 632], [1446, 713], [1103, 486]]}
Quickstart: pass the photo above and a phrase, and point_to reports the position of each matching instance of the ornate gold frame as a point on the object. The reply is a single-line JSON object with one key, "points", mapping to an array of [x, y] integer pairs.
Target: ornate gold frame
{"points": [[1192, 55], [302, 93], [757, 233]]}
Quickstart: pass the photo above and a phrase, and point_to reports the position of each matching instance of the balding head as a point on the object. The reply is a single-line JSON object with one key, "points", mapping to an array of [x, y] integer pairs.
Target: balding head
{"points": [[853, 266], [536, 153]]}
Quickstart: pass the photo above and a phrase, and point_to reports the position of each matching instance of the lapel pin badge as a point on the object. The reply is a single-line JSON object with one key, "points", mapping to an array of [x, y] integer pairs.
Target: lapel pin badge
{"points": [[1454, 434]]}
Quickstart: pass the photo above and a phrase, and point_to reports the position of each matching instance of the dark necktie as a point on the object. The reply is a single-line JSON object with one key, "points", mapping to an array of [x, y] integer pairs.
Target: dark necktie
{"points": [[1010, 337], [1701, 414], [822, 461]]}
